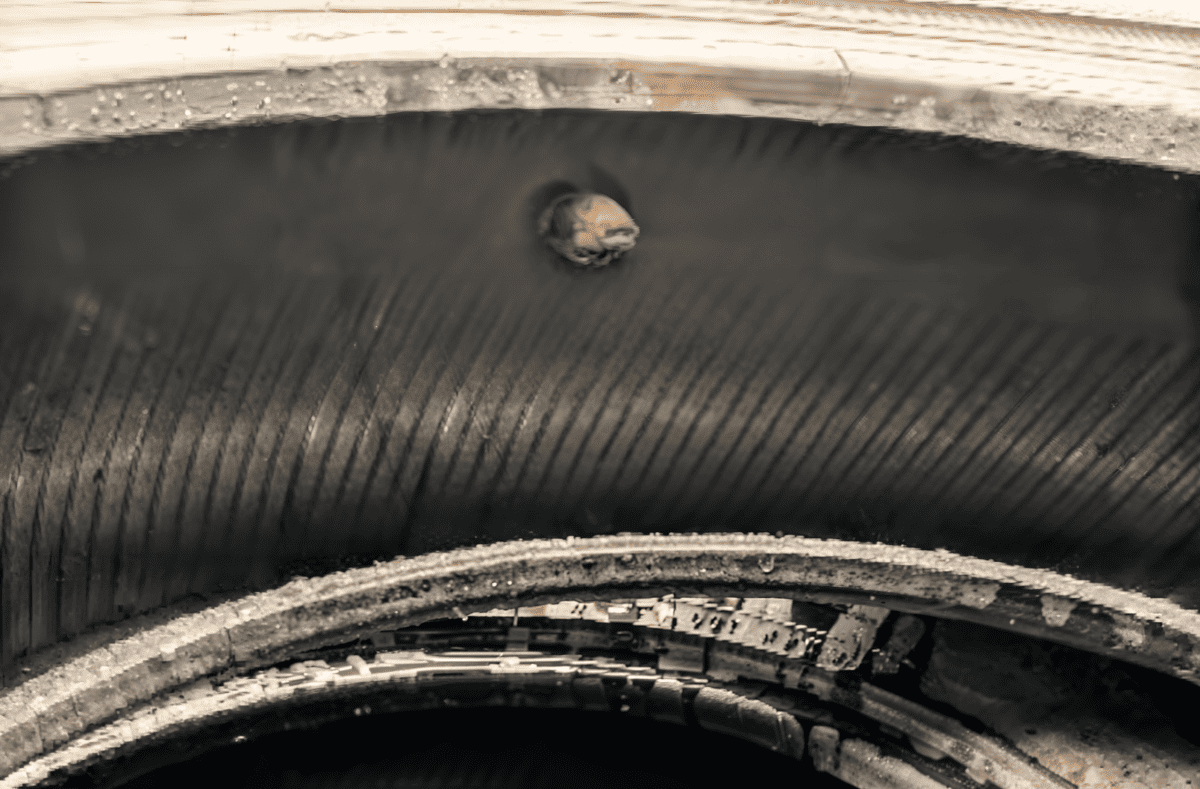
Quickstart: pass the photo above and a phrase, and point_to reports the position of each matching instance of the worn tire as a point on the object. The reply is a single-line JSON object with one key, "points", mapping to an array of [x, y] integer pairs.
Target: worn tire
{"points": [[234, 355]]}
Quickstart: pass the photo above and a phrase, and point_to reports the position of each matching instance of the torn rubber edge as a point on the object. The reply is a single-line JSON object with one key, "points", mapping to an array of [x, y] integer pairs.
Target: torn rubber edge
{"points": [[91, 686], [744, 708]]}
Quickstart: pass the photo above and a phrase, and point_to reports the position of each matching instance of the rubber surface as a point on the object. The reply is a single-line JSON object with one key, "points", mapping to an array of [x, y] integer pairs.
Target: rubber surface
{"points": [[228, 357]]}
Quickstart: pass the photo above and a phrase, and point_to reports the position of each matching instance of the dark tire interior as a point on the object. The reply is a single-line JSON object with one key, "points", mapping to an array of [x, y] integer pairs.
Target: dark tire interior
{"points": [[232, 356], [485, 749]]}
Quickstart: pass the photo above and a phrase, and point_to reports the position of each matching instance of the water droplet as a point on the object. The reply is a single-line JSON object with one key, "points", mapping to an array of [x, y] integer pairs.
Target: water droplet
{"points": [[766, 563]]}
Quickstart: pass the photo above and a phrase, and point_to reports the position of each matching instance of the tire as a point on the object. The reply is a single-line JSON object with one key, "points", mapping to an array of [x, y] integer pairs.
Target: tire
{"points": [[191, 412], [236, 355]]}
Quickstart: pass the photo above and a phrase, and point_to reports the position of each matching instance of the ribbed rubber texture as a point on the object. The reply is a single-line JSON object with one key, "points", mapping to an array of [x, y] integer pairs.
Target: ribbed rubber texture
{"points": [[230, 356]]}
